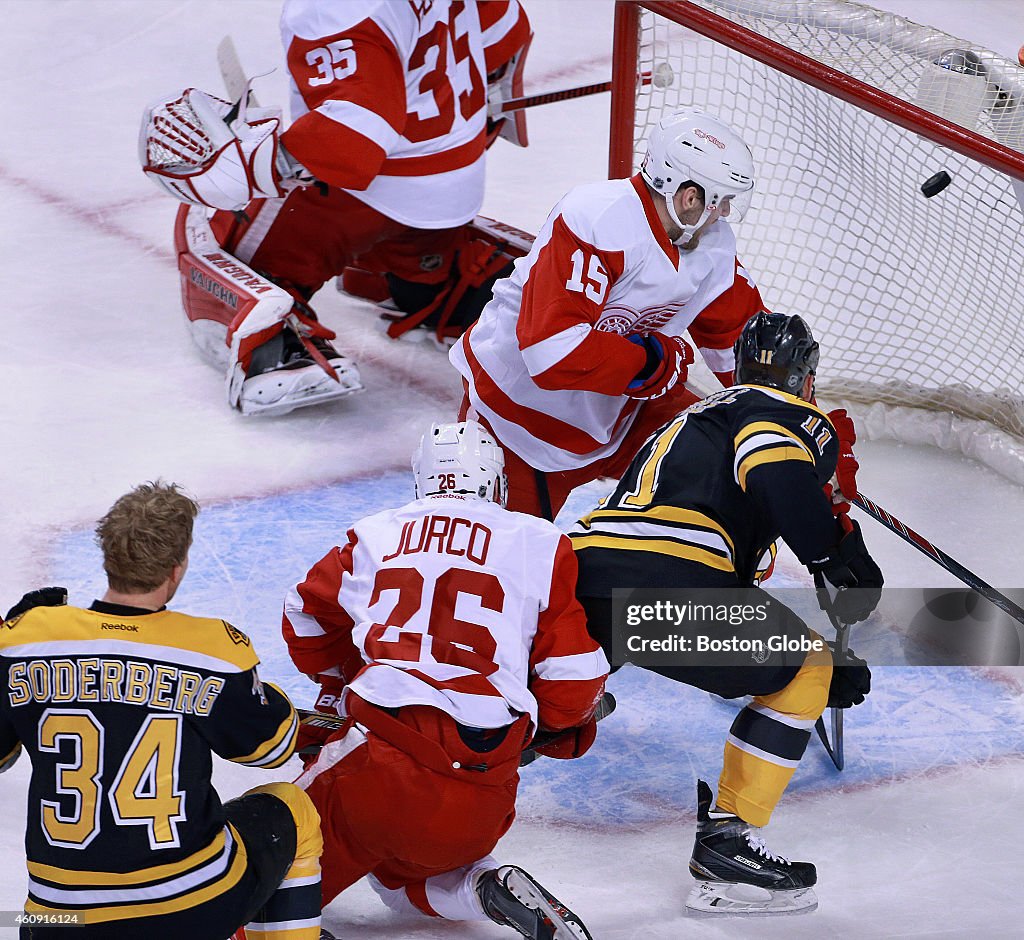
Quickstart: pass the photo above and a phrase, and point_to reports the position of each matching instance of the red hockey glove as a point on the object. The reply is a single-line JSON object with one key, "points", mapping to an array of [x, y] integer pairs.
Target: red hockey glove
{"points": [[840, 507], [846, 466], [667, 360], [311, 738], [573, 742]]}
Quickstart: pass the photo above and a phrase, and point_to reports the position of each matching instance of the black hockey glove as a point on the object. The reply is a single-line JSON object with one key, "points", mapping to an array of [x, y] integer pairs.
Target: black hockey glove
{"points": [[850, 568], [851, 679], [43, 597]]}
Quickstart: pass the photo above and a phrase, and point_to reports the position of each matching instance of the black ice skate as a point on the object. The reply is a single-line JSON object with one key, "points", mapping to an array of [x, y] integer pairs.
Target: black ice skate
{"points": [[513, 899], [283, 375], [736, 872]]}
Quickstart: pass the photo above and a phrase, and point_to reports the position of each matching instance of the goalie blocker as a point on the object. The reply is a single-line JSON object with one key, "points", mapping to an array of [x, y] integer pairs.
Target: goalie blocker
{"points": [[277, 358]]}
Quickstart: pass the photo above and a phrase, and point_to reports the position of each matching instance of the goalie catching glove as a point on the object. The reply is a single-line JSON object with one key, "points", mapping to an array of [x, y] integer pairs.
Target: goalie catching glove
{"points": [[208, 152]]}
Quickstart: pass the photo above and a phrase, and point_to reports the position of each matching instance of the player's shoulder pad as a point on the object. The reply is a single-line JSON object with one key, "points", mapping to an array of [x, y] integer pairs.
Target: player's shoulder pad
{"points": [[41, 597], [314, 19], [781, 402], [606, 214], [766, 406], [221, 645]]}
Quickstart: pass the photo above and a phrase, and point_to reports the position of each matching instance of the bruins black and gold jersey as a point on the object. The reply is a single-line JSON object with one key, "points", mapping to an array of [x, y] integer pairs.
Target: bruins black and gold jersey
{"points": [[120, 709], [715, 487]]}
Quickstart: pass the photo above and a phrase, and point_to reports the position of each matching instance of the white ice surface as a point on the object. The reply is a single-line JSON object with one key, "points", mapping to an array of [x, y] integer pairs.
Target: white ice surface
{"points": [[918, 838]]}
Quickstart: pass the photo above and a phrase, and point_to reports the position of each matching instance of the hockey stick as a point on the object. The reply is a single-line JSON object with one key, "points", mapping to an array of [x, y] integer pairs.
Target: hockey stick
{"points": [[565, 94], [835, 747], [604, 708], [936, 554], [231, 71], [330, 722]]}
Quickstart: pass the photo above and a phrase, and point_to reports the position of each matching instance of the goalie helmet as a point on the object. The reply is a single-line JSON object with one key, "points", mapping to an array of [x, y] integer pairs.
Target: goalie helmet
{"points": [[776, 350], [690, 146], [460, 458]]}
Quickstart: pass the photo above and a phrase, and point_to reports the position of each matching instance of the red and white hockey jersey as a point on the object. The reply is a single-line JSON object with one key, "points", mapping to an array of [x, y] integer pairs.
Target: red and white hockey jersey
{"points": [[455, 603], [389, 99], [548, 361]]}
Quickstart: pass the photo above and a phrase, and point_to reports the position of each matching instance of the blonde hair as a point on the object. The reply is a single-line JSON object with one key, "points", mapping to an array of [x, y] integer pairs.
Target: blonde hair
{"points": [[144, 535]]}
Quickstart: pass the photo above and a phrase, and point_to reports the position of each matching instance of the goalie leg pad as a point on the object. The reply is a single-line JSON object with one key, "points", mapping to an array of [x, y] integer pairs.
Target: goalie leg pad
{"points": [[232, 312]]}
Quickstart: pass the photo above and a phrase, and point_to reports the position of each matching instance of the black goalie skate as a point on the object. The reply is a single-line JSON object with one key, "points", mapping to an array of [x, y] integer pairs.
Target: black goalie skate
{"points": [[738, 874], [513, 899]]}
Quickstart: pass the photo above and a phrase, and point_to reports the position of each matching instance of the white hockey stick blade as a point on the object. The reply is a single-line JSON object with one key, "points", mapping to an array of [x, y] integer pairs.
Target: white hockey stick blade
{"points": [[235, 80], [721, 897]]}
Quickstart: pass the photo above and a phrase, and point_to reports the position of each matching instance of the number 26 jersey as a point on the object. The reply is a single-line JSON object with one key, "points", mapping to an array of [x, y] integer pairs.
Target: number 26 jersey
{"points": [[455, 603]]}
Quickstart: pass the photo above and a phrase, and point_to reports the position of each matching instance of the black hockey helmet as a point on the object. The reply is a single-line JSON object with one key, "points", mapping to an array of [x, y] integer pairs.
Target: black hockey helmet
{"points": [[776, 350]]}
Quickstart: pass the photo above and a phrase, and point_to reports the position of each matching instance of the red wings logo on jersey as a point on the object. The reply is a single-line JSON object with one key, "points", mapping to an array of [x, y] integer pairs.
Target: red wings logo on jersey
{"points": [[618, 318]]}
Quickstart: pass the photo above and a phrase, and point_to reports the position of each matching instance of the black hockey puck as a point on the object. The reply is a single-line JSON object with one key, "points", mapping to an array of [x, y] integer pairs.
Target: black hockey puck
{"points": [[935, 184]]}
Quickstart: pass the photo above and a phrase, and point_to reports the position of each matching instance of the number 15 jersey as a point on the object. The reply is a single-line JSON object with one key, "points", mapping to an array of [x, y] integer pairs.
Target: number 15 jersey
{"points": [[549, 360], [455, 603]]}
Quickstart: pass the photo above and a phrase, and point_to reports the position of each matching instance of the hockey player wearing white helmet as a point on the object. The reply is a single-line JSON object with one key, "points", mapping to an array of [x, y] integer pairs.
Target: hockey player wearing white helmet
{"points": [[703, 170], [580, 354], [448, 630]]}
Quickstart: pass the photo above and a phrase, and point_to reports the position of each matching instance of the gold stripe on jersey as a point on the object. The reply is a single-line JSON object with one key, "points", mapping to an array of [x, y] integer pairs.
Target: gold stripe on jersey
{"points": [[671, 514], [9, 759], [773, 454], [278, 748], [768, 427], [68, 876], [132, 908], [659, 546], [199, 641]]}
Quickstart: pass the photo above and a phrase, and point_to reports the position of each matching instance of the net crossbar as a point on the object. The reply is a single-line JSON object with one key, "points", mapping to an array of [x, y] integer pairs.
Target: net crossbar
{"points": [[918, 302]]}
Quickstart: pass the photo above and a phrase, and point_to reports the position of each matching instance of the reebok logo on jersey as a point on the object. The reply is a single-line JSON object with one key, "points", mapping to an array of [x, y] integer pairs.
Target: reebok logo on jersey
{"points": [[127, 627]]}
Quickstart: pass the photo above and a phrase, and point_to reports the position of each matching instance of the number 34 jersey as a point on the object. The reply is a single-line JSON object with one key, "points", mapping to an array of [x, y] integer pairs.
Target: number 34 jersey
{"points": [[455, 603], [548, 363], [119, 709]]}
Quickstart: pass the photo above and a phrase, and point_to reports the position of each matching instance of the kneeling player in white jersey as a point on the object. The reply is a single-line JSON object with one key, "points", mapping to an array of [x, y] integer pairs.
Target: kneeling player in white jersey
{"points": [[579, 356], [448, 632], [701, 507], [382, 167]]}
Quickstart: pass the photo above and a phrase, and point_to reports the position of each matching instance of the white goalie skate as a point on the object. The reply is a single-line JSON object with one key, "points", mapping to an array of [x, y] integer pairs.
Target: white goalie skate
{"points": [[283, 376]]}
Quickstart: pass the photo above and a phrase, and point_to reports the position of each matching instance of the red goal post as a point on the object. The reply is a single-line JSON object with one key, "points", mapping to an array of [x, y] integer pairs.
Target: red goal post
{"points": [[919, 302]]}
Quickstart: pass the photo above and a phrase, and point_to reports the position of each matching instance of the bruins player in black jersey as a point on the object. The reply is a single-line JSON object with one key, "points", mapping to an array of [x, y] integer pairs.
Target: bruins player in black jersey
{"points": [[701, 506], [120, 706]]}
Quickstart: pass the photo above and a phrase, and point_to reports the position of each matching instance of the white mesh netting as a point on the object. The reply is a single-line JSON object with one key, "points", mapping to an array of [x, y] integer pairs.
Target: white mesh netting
{"points": [[918, 302]]}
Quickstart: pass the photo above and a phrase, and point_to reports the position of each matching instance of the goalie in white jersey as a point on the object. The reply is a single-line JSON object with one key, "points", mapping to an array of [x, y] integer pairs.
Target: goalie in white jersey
{"points": [[579, 355], [448, 632], [376, 178]]}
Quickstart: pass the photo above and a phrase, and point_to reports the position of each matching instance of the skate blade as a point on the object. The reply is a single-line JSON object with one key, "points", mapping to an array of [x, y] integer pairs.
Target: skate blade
{"points": [[714, 898], [529, 895]]}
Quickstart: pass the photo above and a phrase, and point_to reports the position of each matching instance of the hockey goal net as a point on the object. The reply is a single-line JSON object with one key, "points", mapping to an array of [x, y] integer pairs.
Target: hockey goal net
{"points": [[918, 302]]}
